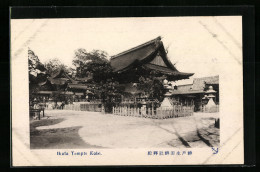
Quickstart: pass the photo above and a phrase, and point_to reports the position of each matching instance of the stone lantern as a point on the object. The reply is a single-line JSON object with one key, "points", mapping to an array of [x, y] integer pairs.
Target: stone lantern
{"points": [[166, 103], [210, 95]]}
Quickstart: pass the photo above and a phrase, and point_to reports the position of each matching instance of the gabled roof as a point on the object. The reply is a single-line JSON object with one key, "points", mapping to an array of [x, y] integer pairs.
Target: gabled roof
{"points": [[186, 87], [142, 55], [61, 74], [123, 60], [199, 83], [176, 92], [212, 82], [61, 78], [137, 47]]}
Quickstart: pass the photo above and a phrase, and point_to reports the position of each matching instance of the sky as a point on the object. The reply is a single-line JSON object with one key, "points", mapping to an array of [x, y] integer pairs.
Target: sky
{"points": [[196, 44]]}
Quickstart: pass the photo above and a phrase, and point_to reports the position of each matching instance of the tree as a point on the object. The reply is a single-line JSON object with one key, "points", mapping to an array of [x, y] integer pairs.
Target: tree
{"points": [[94, 62], [37, 72], [152, 86], [149, 82], [53, 65]]}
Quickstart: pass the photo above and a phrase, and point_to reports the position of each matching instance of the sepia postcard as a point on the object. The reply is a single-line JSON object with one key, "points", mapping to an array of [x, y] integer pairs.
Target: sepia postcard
{"points": [[127, 91]]}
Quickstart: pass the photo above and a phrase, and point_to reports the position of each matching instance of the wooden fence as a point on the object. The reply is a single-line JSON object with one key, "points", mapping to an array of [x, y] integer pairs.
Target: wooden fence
{"points": [[159, 113], [93, 107]]}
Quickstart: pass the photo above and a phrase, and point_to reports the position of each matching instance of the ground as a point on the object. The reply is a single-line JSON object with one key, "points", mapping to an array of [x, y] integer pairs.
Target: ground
{"points": [[82, 129]]}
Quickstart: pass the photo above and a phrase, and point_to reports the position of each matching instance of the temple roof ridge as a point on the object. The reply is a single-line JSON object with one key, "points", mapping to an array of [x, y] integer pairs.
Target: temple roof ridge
{"points": [[137, 47]]}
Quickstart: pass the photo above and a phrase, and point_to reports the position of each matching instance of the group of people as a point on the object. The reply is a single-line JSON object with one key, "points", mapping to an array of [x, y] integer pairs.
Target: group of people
{"points": [[35, 109], [54, 105], [35, 104]]}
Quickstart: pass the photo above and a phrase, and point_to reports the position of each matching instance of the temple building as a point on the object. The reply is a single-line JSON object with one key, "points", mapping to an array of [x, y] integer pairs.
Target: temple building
{"points": [[146, 60], [63, 84], [147, 63], [202, 92], [151, 56]]}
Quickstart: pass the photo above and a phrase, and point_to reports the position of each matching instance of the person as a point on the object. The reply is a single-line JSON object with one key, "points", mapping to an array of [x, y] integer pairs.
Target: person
{"points": [[62, 105], [36, 106], [31, 105], [58, 105]]}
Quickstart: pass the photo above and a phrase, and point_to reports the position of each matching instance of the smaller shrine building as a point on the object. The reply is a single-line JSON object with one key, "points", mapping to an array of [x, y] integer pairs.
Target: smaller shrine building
{"points": [[202, 92]]}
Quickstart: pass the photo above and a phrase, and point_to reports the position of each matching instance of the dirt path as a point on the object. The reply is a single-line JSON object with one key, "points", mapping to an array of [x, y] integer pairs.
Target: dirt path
{"points": [[76, 129]]}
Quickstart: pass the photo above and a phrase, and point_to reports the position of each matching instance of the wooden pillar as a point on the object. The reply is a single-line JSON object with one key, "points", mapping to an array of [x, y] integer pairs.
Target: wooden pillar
{"points": [[39, 112], [103, 109], [201, 103], [152, 109]]}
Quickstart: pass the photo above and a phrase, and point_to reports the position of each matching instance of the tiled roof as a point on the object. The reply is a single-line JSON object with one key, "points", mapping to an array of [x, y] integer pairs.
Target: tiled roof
{"points": [[212, 82], [139, 53], [197, 86], [137, 47], [199, 83], [186, 87], [142, 55], [61, 77], [176, 92]]}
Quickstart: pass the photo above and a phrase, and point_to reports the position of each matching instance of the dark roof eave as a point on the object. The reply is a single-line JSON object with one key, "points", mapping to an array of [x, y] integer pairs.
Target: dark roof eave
{"points": [[78, 86], [188, 92], [53, 92], [168, 71], [181, 75]]}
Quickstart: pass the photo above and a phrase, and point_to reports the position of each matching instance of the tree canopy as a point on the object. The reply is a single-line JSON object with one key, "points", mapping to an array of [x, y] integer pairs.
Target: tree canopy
{"points": [[54, 65], [37, 71], [95, 63], [152, 86]]}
